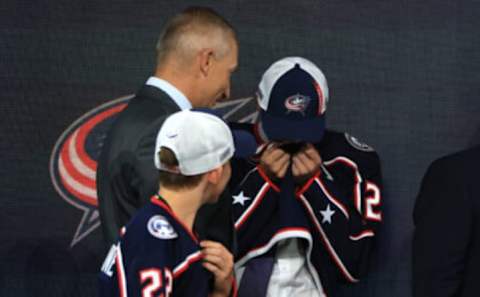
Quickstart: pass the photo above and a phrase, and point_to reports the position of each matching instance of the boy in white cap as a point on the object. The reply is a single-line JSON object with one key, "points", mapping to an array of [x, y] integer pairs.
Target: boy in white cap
{"points": [[158, 254], [307, 208]]}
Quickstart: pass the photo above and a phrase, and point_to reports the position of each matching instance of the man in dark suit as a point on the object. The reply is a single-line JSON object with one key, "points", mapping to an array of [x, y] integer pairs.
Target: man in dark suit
{"points": [[446, 245], [196, 54]]}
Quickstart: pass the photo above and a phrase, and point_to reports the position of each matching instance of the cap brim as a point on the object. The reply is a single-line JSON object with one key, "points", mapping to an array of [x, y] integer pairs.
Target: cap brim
{"points": [[279, 128]]}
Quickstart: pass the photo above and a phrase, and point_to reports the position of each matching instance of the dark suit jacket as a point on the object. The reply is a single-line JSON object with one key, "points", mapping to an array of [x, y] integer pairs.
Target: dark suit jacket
{"points": [[446, 245], [126, 173]]}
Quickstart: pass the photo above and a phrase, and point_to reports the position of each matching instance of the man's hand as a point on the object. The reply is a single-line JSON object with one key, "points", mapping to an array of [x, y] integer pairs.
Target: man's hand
{"points": [[274, 161], [306, 163], [219, 261]]}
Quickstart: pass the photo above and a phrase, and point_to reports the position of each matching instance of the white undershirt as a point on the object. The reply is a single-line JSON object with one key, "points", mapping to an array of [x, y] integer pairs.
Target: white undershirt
{"points": [[290, 276]]}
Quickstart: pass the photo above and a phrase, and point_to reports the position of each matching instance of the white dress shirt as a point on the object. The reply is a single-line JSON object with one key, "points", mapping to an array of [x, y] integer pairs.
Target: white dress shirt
{"points": [[290, 276], [180, 99]]}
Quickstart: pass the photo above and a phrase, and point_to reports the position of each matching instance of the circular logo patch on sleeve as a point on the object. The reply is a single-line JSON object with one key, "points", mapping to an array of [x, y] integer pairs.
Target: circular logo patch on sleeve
{"points": [[358, 144], [160, 228]]}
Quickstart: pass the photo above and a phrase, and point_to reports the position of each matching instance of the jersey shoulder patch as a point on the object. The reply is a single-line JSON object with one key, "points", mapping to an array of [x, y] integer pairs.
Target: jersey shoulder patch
{"points": [[354, 142], [160, 227]]}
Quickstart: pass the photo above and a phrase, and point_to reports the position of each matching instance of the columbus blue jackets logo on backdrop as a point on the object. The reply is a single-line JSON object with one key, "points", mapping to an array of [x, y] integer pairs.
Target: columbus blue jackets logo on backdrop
{"points": [[160, 228], [73, 162], [297, 103]]}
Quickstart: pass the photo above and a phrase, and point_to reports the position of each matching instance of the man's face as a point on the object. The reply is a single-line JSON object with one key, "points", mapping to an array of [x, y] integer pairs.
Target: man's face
{"points": [[218, 84]]}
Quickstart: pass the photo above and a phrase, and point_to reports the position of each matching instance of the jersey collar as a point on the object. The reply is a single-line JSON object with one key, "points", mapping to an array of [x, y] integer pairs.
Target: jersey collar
{"points": [[160, 201]]}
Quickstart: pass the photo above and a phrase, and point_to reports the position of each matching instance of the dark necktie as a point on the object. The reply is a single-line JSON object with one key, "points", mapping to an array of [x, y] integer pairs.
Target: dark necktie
{"points": [[258, 270], [256, 276]]}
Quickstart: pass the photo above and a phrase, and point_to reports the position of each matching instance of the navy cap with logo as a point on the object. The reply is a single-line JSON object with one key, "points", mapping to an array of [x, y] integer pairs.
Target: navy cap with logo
{"points": [[293, 96]]}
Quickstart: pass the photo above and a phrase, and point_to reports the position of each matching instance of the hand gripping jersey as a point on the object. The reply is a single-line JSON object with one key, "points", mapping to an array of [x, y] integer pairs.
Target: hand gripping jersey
{"points": [[335, 213], [156, 256]]}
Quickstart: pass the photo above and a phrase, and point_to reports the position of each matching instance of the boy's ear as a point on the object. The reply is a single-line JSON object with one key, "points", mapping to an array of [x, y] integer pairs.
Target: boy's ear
{"points": [[215, 175]]}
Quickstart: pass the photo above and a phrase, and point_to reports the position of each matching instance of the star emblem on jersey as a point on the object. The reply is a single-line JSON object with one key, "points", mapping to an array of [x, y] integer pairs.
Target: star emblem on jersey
{"points": [[160, 228], [327, 214], [240, 199]]}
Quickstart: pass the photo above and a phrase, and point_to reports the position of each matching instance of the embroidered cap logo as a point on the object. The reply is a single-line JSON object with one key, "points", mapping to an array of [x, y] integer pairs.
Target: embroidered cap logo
{"points": [[297, 103]]}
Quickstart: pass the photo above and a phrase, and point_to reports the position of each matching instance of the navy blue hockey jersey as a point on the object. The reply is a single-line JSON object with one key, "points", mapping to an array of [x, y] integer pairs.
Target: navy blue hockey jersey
{"points": [[336, 213], [156, 256]]}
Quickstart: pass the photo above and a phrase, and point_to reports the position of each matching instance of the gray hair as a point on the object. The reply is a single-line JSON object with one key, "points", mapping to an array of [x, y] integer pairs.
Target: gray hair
{"points": [[194, 29]]}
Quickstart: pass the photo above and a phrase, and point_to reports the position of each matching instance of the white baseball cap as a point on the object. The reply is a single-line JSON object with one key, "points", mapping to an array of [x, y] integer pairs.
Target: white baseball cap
{"points": [[201, 142], [293, 97]]}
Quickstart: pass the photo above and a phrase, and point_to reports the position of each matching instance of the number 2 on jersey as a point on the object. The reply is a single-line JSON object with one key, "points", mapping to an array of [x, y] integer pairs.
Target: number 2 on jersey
{"points": [[372, 199], [155, 281]]}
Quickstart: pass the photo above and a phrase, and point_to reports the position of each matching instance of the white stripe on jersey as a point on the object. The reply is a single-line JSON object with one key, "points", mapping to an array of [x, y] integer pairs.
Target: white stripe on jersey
{"points": [[121, 273], [180, 268], [366, 233]]}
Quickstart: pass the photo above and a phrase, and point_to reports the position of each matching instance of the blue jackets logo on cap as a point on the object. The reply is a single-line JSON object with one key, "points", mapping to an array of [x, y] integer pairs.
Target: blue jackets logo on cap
{"points": [[297, 103]]}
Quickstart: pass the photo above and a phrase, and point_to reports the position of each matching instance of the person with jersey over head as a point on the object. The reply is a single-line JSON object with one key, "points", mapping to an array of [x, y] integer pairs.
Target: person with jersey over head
{"points": [[307, 206]]}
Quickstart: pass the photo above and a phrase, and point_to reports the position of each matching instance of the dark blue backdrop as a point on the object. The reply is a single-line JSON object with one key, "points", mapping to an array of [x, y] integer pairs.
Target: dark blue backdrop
{"points": [[403, 77]]}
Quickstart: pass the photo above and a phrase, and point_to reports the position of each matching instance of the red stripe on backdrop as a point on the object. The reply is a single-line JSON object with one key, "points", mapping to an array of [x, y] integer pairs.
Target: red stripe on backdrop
{"points": [[85, 129], [72, 170]]}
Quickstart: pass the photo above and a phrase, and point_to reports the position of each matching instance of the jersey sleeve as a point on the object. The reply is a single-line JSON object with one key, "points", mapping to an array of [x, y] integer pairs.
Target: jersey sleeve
{"points": [[343, 202], [254, 197], [127, 273], [108, 279]]}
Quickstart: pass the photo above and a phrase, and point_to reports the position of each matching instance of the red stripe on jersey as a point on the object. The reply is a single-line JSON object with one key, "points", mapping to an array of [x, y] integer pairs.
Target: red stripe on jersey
{"points": [[182, 267], [122, 282], [267, 179], [283, 230], [256, 202], [307, 184]]}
